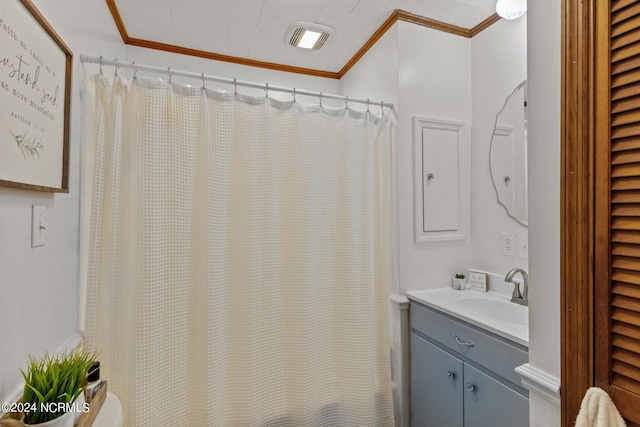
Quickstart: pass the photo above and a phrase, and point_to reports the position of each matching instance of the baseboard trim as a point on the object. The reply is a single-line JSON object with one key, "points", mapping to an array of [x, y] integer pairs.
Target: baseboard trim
{"points": [[540, 383]]}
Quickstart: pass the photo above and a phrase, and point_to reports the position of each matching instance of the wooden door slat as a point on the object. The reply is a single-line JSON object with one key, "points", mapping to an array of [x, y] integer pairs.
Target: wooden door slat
{"points": [[626, 144], [626, 13], [625, 118], [625, 356], [627, 303], [625, 26], [626, 370], [626, 276], [626, 343], [625, 170], [625, 316], [625, 39], [627, 104], [625, 92], [623, 223], [625, 52], [630, 183], [629, 196], [630, 77], [625, 157], [623, 249], [627, 263], [626, 383], [627, 289], [625, 131], [619, 4]]}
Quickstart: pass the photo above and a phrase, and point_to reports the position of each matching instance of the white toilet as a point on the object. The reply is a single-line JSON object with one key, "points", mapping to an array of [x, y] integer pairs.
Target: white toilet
{"points": [[110, 414]]}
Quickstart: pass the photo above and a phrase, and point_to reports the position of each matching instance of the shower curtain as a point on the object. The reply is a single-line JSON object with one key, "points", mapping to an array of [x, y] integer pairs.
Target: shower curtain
{"points": [[239, 260]]}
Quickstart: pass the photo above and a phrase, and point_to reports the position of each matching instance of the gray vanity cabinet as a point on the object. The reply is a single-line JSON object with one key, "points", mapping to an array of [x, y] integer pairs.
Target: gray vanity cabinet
{"points": [[450, 387]]}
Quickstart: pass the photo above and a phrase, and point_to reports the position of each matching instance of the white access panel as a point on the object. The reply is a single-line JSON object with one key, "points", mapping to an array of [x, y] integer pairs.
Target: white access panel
{"points": [[440, 174], [440, 195]]}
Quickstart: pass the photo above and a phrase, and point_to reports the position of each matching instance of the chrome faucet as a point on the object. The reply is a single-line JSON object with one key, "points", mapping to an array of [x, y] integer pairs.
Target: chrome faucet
{"points": [[517, 297]]}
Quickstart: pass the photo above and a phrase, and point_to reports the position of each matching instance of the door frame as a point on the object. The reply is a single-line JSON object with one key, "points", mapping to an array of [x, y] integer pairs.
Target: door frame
{"points": [[577, 207]]}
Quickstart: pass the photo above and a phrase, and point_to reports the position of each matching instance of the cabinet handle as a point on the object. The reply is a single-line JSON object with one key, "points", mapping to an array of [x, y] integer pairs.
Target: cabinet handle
{"points": [[430, 177], [451, 375], [466, 344], [471, 387]]}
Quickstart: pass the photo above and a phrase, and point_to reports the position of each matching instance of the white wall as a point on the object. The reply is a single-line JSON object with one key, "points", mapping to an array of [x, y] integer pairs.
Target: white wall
{"points": [[498, 65], [434, 82], [544, 73], [39, 287]]}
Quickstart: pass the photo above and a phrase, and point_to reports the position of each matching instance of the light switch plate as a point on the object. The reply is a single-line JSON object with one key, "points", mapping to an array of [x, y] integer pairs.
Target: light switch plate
{"points": [[522, 243], [38, 226]]}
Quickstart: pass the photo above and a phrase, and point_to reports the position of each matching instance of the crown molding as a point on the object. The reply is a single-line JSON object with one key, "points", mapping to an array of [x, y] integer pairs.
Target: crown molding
{"points": [[396, 15]]}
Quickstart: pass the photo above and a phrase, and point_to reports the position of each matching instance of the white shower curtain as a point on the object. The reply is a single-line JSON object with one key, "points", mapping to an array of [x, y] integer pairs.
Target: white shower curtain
{"points": [[239, 260]]}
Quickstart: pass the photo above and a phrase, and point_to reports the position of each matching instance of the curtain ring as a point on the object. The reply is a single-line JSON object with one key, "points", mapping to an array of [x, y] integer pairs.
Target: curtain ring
{"points": [[367, 105], [346, 103], [294, 94], [116, 63], [203, 81], [169, 71], [267, 91], [320, 99], [382, 107], [235, 86], [100, 64], [135, 70]]}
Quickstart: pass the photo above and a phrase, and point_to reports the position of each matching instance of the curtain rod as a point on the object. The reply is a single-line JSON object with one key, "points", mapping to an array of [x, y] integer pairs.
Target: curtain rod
{"points": [[265, 86]]}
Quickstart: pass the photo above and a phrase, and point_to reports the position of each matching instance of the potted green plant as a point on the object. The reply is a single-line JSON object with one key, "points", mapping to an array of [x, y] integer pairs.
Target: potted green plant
{"points": [[458, 282], [51, 386]]}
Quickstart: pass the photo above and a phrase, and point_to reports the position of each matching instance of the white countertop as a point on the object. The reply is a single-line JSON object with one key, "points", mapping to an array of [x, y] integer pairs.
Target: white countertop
{"points": [[449, 301]]}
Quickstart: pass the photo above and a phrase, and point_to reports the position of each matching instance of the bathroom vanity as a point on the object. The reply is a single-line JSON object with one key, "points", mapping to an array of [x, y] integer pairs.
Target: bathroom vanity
{"points": [[465, 346]]}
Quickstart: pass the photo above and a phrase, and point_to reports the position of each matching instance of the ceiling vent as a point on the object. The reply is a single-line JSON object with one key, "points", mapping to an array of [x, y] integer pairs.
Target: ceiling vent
{"points": [[310, 36]]}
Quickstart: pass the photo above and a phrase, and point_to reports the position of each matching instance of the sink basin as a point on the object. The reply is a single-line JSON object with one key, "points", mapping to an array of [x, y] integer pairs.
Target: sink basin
{"points": [[504, 311], [491, 311]]}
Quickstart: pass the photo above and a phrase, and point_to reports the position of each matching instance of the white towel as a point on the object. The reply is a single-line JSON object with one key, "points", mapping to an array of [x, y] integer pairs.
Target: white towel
{"points": [[598, 410]]}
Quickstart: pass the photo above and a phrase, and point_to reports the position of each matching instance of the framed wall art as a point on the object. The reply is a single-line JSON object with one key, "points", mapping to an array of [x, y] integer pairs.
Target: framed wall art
{"points": [[35, 90]]}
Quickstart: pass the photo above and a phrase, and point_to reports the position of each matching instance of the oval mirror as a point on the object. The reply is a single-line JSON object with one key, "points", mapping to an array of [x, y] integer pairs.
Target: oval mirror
{"points": [[508, 155]]}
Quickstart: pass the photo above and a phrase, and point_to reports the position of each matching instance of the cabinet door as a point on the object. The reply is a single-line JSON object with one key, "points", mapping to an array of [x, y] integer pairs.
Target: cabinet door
{"points": [[436, 386], [488, 403]]}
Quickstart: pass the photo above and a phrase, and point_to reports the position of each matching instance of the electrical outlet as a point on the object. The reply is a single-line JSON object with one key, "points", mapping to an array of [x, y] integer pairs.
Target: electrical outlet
{"points": [[522, 242], [509, 244]]}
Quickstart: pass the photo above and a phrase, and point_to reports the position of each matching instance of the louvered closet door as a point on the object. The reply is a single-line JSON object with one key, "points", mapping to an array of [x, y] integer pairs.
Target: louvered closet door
{"points": [[617, 345]]}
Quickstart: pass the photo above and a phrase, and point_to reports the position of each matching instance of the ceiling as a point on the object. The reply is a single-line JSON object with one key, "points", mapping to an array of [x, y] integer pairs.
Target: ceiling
{"points": [[256, 29]]}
